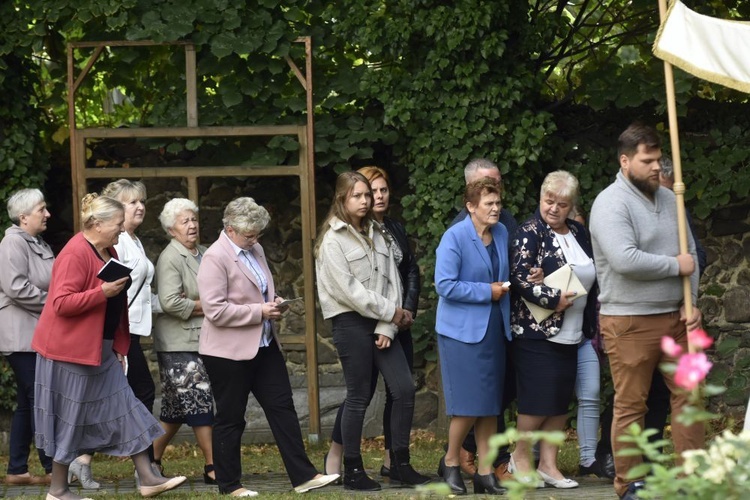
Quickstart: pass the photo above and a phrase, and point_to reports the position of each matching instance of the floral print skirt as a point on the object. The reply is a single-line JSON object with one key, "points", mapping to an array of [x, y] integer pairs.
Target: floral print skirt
{"points": [[185, 388]]}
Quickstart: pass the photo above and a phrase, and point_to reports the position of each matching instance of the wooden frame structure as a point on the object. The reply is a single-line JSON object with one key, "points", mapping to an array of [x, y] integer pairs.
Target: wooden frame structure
{"points": [[304, 170]]}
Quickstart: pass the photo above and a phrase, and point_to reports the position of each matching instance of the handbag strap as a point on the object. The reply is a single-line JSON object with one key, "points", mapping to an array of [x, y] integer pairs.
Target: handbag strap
{"points": [[136, 293]]}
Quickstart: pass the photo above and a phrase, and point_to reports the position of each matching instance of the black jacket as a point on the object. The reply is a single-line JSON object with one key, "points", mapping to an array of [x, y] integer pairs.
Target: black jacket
{"points": [[408, 269]]}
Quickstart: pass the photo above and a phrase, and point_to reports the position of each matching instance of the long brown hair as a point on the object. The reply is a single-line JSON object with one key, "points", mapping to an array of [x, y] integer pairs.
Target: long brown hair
{"points": [[345, 183]]}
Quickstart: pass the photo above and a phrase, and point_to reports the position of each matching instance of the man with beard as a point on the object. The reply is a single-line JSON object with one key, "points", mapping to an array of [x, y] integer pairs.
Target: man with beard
{"points": [[640, 269]]}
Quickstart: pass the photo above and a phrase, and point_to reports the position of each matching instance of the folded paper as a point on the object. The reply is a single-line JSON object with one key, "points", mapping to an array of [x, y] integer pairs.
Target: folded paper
{"points": [[564, 279]]}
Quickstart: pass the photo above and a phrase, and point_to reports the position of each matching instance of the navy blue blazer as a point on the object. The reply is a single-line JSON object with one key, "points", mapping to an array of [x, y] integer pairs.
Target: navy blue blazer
{"points": [[463, 273]]}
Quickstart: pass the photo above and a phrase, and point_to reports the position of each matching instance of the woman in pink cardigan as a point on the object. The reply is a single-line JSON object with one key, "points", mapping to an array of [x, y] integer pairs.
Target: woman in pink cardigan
{"points": [[242, 354]]}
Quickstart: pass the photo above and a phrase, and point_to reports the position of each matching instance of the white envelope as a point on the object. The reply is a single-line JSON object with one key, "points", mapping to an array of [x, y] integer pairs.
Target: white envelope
{"points": [[563, 279]]}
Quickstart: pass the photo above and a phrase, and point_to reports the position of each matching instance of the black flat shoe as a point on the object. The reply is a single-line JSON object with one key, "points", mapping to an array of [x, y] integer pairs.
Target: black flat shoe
{"points": [[595, 469], [606, 465], [452, 476], [487, 484], [385, 471], [206, 478]]}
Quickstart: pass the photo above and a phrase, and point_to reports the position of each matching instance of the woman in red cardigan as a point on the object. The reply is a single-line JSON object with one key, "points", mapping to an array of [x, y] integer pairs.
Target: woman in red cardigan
{"points": [[83, 402]]}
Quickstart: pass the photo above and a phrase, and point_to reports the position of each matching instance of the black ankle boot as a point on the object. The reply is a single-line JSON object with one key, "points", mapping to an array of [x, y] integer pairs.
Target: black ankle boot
{"points": [[487, 484], [355, 477], [452, 476], [402, 471]]}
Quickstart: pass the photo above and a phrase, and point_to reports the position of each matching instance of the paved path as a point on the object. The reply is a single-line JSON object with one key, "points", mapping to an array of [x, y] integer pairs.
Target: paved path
{"points": [[590, 489]]}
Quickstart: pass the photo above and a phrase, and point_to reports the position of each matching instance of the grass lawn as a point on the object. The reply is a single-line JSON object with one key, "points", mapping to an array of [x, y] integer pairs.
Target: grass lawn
{"points": [[263, 461]]}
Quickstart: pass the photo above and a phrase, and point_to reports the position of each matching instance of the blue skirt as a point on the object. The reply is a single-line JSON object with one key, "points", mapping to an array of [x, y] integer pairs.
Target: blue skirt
{"points": [[473, 374], [84, 409]]}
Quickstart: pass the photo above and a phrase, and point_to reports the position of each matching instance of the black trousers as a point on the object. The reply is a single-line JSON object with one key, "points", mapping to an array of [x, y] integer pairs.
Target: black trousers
{"points": [[266, 377], [407, 344], [22, 426], [140, 380], [353, 336]]}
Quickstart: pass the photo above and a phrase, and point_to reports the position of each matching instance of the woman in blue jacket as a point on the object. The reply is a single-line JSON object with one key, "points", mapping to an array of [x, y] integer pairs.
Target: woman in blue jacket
{"points": [[473, 314]]}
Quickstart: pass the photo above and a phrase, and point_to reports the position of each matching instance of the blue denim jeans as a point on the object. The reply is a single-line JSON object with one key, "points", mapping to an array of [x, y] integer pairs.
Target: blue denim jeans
{"points": [[587, 392]]}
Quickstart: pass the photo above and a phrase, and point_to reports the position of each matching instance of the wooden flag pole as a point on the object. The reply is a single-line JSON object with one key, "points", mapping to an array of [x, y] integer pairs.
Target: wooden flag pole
{"points": [[679, 186]]}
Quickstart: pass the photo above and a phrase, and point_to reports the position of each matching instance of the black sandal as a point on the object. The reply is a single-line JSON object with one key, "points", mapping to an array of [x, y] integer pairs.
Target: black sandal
{"points": [[206, 478]]}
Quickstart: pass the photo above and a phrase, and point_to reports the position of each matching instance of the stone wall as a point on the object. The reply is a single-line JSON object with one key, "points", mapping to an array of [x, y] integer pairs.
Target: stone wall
{"points": [[725, 302]]}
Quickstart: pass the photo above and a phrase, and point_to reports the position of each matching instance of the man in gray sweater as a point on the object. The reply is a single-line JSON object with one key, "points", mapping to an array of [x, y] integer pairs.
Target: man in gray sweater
{"points": [[640, 269]]}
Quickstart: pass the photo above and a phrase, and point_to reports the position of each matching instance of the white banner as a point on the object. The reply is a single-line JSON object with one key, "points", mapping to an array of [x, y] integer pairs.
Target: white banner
{"points": [[716, 50]]}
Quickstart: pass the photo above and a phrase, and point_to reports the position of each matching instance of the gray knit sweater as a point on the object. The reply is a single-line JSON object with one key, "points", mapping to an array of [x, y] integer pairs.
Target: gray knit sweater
{"points": [[635, 247]]}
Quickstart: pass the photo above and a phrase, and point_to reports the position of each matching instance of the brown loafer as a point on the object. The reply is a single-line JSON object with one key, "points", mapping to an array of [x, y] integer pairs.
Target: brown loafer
{"points": [[466, 460], [503, 473], [25, 479]]}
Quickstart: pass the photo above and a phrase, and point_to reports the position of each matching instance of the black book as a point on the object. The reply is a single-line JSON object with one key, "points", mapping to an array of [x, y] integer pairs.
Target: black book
{"points": [[113, 270]]}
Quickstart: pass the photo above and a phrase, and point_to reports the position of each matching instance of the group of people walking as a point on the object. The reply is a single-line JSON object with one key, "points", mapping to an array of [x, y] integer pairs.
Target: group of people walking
{"points": [[622, 290], [506, 331], [72, 340]]}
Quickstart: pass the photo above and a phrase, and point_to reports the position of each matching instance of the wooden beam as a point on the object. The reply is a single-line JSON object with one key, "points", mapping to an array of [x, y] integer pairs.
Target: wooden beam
{"points": [[87, 68], [73, 138], [679, 186], [308, 272], [128, 43], [191, 80], [187, 172], [81, 186], [297, 72], [310, 144], [229, 131]]}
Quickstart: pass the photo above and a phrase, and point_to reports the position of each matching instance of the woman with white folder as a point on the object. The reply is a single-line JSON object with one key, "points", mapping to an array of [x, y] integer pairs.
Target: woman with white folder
{"points": [[545, 344]]}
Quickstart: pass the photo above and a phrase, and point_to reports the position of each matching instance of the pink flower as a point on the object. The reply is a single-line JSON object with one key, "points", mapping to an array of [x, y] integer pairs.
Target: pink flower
{"points": [[691, 370], [670, 347], [699, 338]]}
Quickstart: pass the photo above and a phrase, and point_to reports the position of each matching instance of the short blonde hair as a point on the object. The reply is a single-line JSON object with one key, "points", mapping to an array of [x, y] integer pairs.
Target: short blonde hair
{"points": [[125, 190], [95, 208], [561, 183], [244, 215]]}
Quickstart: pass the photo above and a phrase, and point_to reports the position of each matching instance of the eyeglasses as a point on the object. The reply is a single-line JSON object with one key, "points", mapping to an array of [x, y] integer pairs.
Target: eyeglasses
{"points": [[248, 237]]}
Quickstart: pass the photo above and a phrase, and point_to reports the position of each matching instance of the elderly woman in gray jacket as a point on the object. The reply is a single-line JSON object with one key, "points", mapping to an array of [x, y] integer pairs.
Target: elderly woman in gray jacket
{"points": [[360, 291], [186, 392], [27, 268]]}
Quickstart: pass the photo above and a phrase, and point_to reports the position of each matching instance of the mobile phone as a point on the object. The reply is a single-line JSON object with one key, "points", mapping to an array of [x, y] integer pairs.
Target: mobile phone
{"points": [[286, 302]]}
